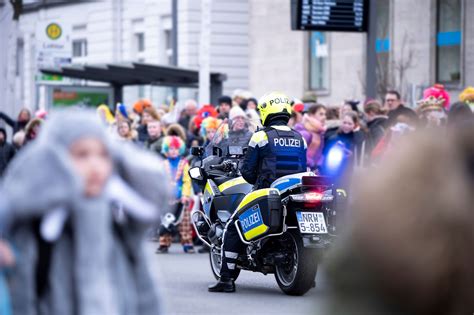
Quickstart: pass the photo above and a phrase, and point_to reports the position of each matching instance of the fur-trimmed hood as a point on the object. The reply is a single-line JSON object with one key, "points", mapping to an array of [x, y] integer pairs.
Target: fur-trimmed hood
{"points": [[41, 185]]}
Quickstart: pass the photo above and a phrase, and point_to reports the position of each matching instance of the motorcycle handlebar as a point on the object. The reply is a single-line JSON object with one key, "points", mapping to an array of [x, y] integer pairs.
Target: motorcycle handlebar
{"points": [[226, 166], [219, 167]]}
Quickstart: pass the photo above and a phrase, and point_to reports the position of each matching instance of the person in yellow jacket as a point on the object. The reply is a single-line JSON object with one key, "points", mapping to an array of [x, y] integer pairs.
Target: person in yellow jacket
{"points": [[177, 167]]}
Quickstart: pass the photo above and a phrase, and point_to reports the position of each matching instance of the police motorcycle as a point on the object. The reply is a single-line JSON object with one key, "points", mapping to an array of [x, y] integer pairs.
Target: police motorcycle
{"points": [[285, 228]]}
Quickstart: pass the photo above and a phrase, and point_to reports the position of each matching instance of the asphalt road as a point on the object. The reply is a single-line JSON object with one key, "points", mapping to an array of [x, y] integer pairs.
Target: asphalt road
{"points": [[183, 280]]}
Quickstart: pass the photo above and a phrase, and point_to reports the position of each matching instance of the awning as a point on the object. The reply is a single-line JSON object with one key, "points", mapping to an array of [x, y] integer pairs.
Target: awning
{"points": [[134, 73], [119, 75]]}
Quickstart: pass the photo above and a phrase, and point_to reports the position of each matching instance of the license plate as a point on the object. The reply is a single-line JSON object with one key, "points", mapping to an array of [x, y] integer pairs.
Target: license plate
{"points": [[311, 222]]}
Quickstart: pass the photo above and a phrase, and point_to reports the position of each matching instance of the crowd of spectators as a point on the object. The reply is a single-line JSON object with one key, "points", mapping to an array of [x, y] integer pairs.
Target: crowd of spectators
{"points": [[363, 132]]}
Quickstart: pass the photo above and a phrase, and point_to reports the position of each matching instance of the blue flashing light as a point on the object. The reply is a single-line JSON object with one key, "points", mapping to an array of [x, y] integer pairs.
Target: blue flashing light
{"points": [[334, 158]]}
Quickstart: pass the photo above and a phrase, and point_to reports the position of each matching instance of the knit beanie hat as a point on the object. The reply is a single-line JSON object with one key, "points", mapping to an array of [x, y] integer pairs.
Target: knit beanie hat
{"points": [[235, 112]]}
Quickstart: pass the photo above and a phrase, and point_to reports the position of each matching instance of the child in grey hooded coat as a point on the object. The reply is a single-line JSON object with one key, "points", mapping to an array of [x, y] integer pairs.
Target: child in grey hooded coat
{"points": [[79, 254]]}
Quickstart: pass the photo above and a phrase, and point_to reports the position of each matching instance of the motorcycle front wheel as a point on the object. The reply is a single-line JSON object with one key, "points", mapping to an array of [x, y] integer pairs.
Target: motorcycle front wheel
{"points": [[215, 259], [297, 275]]}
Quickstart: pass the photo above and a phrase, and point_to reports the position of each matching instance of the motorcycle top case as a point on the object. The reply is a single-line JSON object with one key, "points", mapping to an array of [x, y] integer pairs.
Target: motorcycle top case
{"points": [[260, 214]]}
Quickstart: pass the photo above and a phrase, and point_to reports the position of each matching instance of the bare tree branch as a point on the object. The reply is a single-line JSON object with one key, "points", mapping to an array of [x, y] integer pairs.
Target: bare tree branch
{"points": [[392, 75]]}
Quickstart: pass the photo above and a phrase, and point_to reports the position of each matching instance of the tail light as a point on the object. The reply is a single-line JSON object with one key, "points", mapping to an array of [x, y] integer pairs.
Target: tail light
{"points": [[312, 196]]}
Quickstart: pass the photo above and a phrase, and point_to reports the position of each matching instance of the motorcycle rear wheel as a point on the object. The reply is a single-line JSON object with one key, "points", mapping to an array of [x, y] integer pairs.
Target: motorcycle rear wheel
{"points": [[215, 260], [298, 276]]}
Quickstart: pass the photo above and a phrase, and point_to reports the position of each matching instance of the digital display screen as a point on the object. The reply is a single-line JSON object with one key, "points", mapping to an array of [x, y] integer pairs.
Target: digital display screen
{"points": [[235, 150], [327, 15]]}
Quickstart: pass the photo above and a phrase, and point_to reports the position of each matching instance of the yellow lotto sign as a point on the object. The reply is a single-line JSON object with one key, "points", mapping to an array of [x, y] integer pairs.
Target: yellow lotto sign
{"points": [[53, 31]]}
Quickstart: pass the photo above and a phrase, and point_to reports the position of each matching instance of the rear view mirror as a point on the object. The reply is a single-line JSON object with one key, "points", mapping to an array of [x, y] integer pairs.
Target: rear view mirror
{"points": [[196, 173], [197, 151]]}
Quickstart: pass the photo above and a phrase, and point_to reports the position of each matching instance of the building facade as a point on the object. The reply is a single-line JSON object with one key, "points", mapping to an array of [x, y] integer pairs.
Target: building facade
{"points": [[419, 43], [111, 31]]}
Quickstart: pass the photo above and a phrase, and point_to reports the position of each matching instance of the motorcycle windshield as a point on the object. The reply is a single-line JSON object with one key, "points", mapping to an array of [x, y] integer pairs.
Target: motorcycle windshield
{"points": [[232, 137]]}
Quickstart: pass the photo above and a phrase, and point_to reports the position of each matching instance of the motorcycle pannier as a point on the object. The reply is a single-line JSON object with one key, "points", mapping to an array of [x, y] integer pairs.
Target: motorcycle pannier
{"points": [[260, 214]]}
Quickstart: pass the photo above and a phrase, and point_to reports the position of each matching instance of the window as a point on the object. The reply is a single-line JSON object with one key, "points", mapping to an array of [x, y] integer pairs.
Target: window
{"points": [[319, 72], [79, 48], [140, 42], [448, 42]]}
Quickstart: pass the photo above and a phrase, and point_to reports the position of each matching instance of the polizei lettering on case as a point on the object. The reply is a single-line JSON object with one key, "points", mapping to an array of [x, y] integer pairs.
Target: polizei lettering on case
{"points": [[287, 142], [251, 219]]}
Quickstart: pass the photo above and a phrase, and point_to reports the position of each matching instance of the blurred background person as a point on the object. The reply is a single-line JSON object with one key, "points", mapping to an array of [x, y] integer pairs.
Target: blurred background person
{"points": [[431, 112], [125, 131], [353, 105], [394, 107], [224, 105], [404, 125], [312, 129], [155, 136], [239, 98], [208, 130], [252, 103], [24, 117], [376, 123], [460, 113], [100, 199], [149, 114], [190, 110], [177, 130], [7, 151], [438, 92], [467, 97], [177, 167], [252, 115], [333, 122], [393, 259], [239, 132], [206, 111], [349, 146]]}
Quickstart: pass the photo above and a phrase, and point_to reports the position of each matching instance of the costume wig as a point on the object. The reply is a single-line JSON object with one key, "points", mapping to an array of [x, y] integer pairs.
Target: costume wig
{"points": [[437, 91], [173, 142], [208, 123]]}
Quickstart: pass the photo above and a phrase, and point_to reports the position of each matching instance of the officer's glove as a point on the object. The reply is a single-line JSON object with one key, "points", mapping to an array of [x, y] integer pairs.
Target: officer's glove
{"points": [[228, 165]]}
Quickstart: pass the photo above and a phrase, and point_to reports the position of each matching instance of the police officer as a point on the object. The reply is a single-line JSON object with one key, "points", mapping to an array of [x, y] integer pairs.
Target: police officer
{"points": [[273, 152]]}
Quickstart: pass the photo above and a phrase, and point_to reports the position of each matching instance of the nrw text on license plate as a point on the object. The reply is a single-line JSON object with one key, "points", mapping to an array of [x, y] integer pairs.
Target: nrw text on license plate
{"points": [[311, 222]]}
